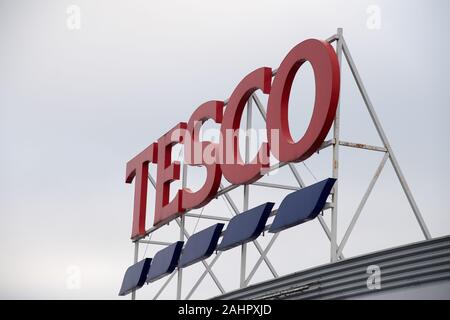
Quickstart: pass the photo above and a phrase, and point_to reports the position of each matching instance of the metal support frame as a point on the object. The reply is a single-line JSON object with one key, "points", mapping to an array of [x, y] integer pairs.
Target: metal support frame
{"points": [[195, 286], [261, 258], [336, 248], [255, 242], [363, 202], [385, 141], [206, 265], [293, 168]]}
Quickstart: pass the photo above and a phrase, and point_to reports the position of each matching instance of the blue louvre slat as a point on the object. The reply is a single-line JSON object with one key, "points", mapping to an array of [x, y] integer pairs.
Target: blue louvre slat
{"points": [[135, 276], [165, 261], [200, 245], [302, 205], [246, 226]]}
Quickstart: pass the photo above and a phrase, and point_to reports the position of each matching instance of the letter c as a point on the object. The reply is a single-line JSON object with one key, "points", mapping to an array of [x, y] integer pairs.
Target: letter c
{"points": [[233, 167]]}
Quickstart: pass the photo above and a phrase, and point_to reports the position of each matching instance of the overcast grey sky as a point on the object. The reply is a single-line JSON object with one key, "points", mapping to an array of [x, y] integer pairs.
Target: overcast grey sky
{"points": [[77, 104]]}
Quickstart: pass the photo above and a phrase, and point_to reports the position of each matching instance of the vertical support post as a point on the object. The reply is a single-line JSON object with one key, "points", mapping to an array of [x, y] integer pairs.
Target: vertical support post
{"points": [[246, 189], [135, 260], [336, 129], [182, 224]]}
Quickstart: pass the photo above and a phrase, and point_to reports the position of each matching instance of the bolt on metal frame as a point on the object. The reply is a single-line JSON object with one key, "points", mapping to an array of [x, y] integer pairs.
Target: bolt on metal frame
{"points": [[336, 249]]}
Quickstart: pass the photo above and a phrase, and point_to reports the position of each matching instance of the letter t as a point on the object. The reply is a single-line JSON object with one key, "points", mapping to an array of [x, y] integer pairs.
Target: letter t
{"points": [[137, 168]]}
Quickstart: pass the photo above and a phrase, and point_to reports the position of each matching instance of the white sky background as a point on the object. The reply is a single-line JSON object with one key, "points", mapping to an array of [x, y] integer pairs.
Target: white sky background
{"points": [[76, 105]]}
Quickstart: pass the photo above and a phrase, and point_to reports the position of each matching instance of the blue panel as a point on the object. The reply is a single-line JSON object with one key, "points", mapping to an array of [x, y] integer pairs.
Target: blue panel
{"points": [[302, 205], [135, 276], [246, 226], [200, 245], [165, 261]]}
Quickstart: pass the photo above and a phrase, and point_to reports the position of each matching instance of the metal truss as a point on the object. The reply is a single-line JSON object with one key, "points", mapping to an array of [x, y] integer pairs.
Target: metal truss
{"points": [[336, 249]]}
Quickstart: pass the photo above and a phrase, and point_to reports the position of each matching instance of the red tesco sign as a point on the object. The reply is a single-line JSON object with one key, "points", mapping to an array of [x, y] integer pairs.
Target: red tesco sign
{"points": [[226, 159]]}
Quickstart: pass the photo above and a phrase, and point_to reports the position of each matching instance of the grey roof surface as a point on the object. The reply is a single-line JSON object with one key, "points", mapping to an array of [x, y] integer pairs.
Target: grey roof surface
{"points": [[415, 271]]}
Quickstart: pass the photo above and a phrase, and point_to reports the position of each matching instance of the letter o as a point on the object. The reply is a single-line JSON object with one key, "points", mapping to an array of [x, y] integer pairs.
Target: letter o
{"points": [[325, 65]]}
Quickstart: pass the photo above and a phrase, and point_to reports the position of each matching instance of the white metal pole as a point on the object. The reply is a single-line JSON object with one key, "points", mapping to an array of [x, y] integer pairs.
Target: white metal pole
{"points": [[336, 128], [182, 224], [246, 189], [135, 259]]}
